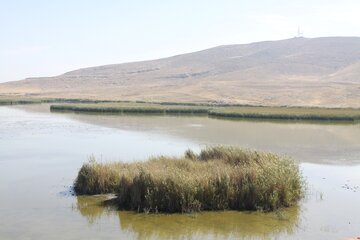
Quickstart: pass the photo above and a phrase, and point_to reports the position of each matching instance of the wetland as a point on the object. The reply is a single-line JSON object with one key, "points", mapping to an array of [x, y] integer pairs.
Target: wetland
{"points": [[41, 153]]}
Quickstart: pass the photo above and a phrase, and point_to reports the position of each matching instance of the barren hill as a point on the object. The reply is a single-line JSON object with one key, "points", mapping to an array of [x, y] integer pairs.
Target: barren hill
{"points": [[297, 71]]}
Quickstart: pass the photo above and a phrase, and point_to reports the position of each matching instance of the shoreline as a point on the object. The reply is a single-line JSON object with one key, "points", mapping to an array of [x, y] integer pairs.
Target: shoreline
{"points": [[240, 112], [214, 110]]}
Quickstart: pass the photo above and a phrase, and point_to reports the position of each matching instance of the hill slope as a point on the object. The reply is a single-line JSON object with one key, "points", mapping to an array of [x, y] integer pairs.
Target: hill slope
{"points": [[298, 71]]}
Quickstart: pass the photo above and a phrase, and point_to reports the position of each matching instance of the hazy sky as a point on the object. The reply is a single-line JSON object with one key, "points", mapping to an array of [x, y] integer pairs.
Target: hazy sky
{"points": [[49, 37]]}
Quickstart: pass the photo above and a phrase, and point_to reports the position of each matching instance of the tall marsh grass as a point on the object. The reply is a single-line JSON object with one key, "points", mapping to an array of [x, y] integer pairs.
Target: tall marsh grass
{"points": [[252, 112], [219, 178], [146, 108], [288, 113], [16, 101]]}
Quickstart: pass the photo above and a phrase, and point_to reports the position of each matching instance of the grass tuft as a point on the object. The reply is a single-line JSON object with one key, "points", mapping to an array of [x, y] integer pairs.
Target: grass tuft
{"points": [[218, 178]]}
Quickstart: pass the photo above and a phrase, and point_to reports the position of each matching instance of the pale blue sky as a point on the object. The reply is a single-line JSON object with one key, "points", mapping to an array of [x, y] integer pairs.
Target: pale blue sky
{"points": [[49, 37]]}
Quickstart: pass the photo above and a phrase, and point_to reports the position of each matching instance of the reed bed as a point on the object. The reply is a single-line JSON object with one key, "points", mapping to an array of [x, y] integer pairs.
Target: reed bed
{"points": [[210, 109], [288, 113], [218, 178], [16, 101], [240, 112], [37, 100], [146, 108]]}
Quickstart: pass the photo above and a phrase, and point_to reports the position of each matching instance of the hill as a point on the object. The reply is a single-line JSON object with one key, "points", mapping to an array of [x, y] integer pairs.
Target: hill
{"points": [[297, 71]]}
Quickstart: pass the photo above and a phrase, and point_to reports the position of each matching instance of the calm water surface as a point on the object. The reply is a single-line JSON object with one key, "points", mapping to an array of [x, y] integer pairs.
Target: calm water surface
{"points": [[41, 152]]}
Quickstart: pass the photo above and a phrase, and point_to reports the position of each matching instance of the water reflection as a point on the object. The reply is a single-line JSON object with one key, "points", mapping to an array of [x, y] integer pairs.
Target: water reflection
{"points": [[94, 207], [320, 142], [218, 225], [37, 145]]}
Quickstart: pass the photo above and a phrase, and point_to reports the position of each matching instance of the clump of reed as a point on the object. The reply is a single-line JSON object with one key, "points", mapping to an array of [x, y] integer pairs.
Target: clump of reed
{"points": [[144, 108], [246, 112], [16, 101], [288, 113], [218, 178]]}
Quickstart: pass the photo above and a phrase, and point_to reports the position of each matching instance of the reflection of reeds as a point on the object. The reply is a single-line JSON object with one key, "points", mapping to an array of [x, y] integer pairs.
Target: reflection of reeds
{"points": [[210, 225], [93, 207], [218, 178], [213, 225], [253, 112]]}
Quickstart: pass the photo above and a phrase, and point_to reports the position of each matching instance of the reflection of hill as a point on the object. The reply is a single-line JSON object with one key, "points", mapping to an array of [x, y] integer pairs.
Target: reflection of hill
{"points": [[229, 224], [305, 142]]}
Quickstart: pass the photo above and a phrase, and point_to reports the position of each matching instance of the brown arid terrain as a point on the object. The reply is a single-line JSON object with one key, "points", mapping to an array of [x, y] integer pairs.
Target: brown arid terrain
{"points": [[295, 72]]}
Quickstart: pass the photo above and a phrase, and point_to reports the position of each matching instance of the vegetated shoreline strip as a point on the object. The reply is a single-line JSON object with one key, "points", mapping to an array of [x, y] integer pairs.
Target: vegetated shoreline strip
{"points": [[130, 108], [252, 112], [219, 178], [18, 101], [235, 111], [32, 100]]}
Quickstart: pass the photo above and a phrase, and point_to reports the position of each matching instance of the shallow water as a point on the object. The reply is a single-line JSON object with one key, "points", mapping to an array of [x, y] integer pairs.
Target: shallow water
{"points": [[41, 152]]}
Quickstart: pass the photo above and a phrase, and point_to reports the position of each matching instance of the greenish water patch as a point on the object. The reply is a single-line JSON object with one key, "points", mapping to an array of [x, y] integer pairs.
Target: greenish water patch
{"points": [[215, 225]]}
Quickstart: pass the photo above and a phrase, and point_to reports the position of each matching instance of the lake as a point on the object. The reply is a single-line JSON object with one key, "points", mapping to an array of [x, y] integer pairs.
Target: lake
{"points": [[41, 152]]}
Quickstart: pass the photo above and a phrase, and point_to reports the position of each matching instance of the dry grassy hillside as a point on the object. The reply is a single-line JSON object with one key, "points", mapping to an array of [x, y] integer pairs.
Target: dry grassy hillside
{"points": [[298, 71]]}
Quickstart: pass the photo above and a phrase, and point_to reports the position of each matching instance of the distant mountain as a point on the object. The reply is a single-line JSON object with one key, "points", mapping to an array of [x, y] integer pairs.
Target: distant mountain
{"points": [[297, 71]]}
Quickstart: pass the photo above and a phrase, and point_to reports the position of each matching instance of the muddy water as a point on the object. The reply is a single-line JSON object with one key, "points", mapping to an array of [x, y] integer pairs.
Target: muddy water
{"points": [[41, 152]]}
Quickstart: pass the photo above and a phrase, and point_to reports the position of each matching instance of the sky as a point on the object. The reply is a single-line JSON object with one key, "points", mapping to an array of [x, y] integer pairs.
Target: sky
{"points": [[47, 38]]}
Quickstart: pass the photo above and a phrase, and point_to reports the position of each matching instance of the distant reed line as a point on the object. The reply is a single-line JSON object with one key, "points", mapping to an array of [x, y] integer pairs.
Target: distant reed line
{"points": [[245, 112]]}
